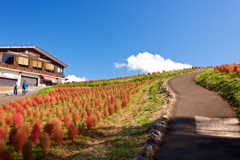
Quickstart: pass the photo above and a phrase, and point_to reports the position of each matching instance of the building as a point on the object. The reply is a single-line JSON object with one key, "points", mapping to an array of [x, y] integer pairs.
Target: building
{"points": [[30, 63]]}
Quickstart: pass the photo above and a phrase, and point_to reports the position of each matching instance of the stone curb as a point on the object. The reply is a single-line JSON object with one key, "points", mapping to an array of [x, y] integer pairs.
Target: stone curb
{"points": [[158, 128]]}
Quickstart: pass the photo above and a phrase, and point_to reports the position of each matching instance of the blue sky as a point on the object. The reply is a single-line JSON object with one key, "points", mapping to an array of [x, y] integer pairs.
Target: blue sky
{"points": [[101, 39]]}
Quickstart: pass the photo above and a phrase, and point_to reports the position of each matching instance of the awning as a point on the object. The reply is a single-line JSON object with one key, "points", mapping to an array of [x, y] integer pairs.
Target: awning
{"points": [[53, 79], [8, 75]]}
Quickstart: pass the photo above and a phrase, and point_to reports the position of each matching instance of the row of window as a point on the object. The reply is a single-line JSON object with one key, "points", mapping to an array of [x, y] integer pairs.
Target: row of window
{"points": [[9, 59]]}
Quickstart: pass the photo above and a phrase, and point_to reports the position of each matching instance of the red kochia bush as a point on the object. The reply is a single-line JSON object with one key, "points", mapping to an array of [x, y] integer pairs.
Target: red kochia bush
{"points": [[1, 112], [45, 141], [84, 116], [106, 113], [72, 131], [89, 110], [89, 122], [67, 120], [118, 105], [5, 153], [35, 133], [3, 132], [6, 106], [27, 150], [56, 122], [34, 103], [124, 102], [95, 120], [99, 116], [112, 100], [111, 109], [57, 135], [48, 128], [12, 133], [29, 111], [238, 71], [26, 127], [19, 139], [17, 119], [75, 117]]}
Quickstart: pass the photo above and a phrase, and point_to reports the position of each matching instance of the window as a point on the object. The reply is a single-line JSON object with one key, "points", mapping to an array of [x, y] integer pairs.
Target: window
{"points": [[37, 65], [23, 61], [49, 67], [7, 58], [59, 70]]}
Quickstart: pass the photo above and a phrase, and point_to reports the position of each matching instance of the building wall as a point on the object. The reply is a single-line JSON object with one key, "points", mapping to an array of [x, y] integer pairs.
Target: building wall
{"points": [[31, 58], [28, 71]]}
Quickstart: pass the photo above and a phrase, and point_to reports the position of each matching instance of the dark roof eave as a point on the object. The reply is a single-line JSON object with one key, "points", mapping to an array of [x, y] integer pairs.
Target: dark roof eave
{"points": [[47, 54]]}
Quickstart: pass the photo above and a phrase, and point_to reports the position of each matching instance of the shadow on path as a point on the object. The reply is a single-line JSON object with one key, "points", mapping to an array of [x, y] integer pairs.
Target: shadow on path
{"points": [[182, 143]]}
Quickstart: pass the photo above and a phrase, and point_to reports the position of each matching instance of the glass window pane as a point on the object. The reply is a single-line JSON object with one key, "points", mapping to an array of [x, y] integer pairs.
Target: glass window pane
{"points": [[7, 58]]}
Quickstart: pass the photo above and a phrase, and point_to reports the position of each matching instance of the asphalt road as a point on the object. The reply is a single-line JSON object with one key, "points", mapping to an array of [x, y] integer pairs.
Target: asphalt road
{"points": [[8, 96], [182, 141]]}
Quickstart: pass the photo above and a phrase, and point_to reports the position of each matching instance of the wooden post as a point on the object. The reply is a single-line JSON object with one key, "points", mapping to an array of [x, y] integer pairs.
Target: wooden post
{"points": [[55, 69], [30, 63], [15, 63], [0, 57], [44, 66]]}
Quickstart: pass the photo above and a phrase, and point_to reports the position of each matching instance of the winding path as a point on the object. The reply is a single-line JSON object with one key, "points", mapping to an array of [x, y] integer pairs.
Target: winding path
{"points": [[203, 126]]}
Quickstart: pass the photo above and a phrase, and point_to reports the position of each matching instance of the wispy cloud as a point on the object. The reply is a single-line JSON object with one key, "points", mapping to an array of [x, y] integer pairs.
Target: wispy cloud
{"points": [[74, 78], [147, 62], [119, 65]]}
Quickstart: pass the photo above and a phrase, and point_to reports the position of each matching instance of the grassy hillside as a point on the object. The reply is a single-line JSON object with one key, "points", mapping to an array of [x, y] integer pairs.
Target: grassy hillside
{"points": [[104, 119], [227, 85], [136, 78]]}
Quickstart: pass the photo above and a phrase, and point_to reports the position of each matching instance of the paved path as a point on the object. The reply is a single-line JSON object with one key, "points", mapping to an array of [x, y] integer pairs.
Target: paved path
{"points": [[191, 133], [8, 96]]}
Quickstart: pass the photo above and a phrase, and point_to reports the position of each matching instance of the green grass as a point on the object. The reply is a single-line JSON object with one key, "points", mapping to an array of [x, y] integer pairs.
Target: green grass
{"points": [[144, 120], [227, 85]]}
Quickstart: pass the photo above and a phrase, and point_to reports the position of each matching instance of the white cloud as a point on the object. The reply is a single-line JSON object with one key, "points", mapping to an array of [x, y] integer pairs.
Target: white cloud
{"points": [[119, 65], [74, 78], [147, 62]]}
